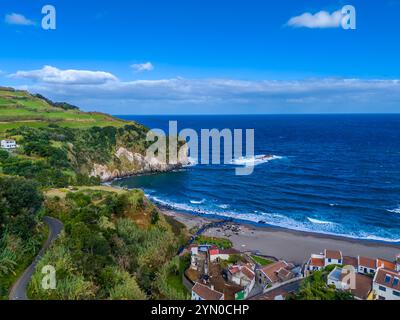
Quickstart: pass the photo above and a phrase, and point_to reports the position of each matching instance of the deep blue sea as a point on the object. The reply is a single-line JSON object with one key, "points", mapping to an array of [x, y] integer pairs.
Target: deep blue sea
{"points": [[334, 174]]}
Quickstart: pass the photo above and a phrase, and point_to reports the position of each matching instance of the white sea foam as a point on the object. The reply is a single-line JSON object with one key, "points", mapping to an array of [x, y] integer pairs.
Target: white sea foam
{"points": [[197, 201], [192, 162], [316, 221], [253, 161], [397, 210], [279, 220], [223, 206]]}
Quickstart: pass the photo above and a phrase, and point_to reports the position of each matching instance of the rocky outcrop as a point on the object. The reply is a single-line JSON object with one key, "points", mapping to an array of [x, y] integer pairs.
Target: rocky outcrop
{"points": [[128, 163]]}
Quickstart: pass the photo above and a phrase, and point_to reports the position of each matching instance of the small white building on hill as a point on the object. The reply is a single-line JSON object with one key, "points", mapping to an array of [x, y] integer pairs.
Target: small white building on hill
{"points": [[8, 144]]}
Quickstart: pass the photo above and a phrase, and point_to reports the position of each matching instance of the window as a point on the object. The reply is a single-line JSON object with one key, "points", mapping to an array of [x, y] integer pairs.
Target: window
{"points": [[395, 281], [381, 288], [388, 278], [396, 293], [329, 260], [340, 261]]}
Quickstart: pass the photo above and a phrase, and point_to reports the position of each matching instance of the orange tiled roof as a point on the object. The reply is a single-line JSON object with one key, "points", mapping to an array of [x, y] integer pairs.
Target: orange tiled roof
{"points": [[386, 264], [388, 278], [317, 262], [367, 262], [333, 254], [271, 270]]}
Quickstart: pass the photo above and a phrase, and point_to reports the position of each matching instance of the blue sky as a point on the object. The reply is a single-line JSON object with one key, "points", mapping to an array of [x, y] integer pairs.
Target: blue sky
{"points": [[188, 57]]}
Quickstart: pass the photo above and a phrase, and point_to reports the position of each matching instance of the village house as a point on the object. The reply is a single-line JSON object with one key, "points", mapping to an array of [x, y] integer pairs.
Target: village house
{"points": [[221, 254], [367, 265], [333, 257], [8, 144], [363, 265], [346, 279], [244, 276], [203, 292], [274, 273], [386, 284], [315, 263]]}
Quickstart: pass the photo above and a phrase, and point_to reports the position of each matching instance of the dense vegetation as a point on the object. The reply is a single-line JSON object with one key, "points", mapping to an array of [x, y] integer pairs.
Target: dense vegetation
{"points": [[21, 232], [315, 288], [58, 157], [116, 246]]}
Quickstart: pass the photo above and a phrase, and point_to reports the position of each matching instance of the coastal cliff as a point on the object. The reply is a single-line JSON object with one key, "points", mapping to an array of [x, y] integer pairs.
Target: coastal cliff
{"points": [[60, 145], [128, 163]]}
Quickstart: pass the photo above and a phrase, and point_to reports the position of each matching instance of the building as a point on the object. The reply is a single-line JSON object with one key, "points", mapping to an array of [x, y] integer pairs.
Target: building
{"points": [[398, 263], [333, 257], [8, 144], [367, 265], [316, 262], [221, 254], [244, 276], [386, 284], [203, 292], [277, 272], [348, 279]]}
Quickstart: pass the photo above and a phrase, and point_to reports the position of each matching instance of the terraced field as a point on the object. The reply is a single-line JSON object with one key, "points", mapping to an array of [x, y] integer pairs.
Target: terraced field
{"points": [[18, 108]]}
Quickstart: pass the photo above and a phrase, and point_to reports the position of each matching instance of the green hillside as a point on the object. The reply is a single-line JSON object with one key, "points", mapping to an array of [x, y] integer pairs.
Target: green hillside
{"points": [[20, 108]]}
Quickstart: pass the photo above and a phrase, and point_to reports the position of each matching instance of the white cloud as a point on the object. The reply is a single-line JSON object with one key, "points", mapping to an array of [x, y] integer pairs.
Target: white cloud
{"points": [[103, 91], [147, 66], [52, 75], [322, 19], [18, 19]]}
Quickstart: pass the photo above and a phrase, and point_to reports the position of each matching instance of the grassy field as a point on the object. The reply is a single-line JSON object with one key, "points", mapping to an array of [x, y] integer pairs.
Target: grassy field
{"points": [[219, 242], [20, 108], [261, 261]]}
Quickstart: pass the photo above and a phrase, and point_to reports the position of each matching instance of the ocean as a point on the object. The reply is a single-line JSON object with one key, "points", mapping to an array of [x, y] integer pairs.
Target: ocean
{"points": [[332, 174]]}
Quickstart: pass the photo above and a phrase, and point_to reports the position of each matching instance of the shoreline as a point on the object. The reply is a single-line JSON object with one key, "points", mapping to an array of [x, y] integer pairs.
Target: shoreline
{"points": [[282, 243]]}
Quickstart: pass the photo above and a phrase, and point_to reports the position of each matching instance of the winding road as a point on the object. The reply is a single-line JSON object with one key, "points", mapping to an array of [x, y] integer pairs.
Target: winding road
{"points": [[18, 290]]}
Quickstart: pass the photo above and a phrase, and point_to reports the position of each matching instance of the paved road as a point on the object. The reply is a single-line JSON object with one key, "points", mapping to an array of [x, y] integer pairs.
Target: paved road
{"points": [[18, 291]]}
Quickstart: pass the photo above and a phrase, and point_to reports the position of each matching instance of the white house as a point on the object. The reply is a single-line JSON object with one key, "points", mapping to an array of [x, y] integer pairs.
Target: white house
{"points": [[386, 284], [242, 276], [367, 265], [359, 285], [8, 144], [316, 262], [221, 254], [333, 257], [203, 292]]}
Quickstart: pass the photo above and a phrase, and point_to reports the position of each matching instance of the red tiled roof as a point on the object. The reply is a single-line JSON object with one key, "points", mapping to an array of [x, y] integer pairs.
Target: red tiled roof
{"points": [[333, 254], [206, 293], [367, 262], [350, 261], [248, 272], [317, 262], [213, 252], [234, 269], [383, 274], [271, 270], [363, 285], [386, 264]]}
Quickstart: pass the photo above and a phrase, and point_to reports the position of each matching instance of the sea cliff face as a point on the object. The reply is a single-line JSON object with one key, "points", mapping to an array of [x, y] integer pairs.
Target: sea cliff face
{"points": [[127, 163]]}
